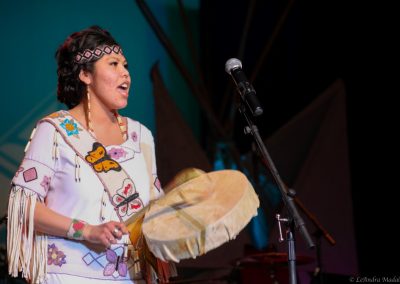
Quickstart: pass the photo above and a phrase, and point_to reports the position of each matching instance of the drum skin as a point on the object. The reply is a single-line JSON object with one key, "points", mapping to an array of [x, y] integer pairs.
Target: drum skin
{"points": [[199, 215]]}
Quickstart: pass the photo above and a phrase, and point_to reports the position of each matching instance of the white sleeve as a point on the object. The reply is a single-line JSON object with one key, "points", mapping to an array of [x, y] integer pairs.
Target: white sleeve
{"points": [[26, 248], [38, 166]]}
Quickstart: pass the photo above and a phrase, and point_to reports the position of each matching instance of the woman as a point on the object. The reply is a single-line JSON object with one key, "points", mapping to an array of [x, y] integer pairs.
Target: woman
{"points": [[85, 172]]}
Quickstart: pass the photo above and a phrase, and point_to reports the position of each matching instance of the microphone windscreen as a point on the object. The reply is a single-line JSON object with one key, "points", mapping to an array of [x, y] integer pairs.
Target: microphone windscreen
{"points": [[231, 64]]}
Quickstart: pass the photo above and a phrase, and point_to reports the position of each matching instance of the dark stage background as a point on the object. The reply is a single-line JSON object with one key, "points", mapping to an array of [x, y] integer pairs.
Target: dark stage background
{"points": [[318, 42]]}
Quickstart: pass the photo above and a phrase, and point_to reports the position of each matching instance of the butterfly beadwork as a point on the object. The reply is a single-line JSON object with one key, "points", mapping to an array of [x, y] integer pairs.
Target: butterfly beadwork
{"points": [[100, 160], [116, 265], [126, 199]]}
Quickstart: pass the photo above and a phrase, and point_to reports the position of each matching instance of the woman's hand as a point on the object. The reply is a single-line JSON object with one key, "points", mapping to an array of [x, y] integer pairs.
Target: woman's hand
{"points": [[52, 223], [105, 234]]}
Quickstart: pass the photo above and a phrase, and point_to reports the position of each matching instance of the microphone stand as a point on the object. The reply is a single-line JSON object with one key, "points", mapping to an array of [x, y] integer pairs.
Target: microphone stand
{"points": [[294, 219], [318, 234]]}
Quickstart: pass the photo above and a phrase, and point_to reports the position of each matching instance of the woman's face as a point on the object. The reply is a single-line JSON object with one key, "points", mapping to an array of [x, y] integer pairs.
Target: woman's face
{"points": [[110, 81]]}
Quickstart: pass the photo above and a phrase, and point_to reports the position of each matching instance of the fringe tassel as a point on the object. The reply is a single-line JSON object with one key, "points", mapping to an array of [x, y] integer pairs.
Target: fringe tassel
{"points": [[30, 139], [26, 249], [104, 199], [77, 169], [55, 146]]}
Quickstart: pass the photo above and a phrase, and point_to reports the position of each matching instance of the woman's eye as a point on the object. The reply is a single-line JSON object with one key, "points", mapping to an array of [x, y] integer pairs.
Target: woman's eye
{"points": [[114, 63], [126, 66]]}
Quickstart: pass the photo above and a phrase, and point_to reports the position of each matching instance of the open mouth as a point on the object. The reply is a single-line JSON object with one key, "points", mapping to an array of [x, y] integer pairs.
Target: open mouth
{"points": [[124, 87]]}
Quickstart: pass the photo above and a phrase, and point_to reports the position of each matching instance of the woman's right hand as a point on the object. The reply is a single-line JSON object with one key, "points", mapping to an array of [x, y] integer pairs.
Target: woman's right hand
{"points": [[104, 234]]}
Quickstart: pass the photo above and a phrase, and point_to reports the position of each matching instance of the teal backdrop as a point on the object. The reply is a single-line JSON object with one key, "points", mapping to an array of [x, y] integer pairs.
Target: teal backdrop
{"points": [[31, 31]]}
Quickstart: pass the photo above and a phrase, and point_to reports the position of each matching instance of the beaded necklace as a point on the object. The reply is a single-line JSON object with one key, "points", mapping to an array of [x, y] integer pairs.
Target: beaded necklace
{"points": [[121, 124]]}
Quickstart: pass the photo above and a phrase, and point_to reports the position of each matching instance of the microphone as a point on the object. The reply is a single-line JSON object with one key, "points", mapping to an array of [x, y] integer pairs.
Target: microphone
{"points": [[234, 68]]}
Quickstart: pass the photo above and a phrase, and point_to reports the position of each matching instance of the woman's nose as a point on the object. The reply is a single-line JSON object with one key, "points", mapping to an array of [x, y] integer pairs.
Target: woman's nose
{"points": [[125, 72]]}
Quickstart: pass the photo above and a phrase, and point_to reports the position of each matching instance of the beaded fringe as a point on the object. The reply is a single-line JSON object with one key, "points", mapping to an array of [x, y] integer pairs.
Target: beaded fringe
{"points": [[26, 249], [30, 139], [77, 169], [55, 151]]}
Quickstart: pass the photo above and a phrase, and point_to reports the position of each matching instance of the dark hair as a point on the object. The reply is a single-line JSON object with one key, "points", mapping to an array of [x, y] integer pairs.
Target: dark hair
{"points": [[70, 89]]}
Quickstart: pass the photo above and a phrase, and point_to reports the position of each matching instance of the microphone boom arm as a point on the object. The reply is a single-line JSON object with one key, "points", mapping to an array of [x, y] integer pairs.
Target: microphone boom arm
{"points": [[288, 195]]}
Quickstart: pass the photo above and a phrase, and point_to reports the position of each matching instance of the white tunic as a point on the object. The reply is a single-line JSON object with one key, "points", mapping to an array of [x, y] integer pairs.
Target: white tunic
{"points": [[53, 172]]}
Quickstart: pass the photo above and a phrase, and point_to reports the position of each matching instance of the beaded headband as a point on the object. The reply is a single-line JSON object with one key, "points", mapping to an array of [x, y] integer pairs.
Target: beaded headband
{"points": [[90, 54]]}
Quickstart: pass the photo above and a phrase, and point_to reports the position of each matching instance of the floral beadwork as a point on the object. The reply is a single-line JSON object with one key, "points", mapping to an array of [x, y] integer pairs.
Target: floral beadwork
{"points": [[117, 153], [70, 127], [55, 256], [46, 183], [57, 114]]}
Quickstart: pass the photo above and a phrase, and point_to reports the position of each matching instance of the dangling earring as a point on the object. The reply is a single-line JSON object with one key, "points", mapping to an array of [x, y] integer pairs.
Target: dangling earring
{"points": [[121, 125], [89, 121]]}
